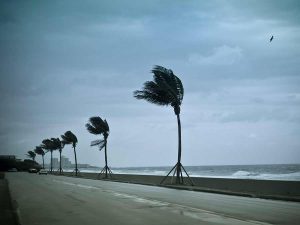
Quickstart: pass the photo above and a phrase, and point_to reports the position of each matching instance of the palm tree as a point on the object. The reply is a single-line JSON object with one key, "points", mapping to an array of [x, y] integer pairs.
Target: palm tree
{"points": [[166, 89], [58, 145], [31, 154], [47, 144], [98, 126], [70, 138], [39, 151]]}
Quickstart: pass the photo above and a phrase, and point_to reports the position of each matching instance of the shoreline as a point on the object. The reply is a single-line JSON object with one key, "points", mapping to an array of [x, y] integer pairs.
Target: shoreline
{"points": [[267, 189], [284, 172]]}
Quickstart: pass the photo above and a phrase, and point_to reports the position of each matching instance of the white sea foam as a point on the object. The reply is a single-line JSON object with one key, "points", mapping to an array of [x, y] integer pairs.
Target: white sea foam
{"points": [[242, 173], [141, 172], [287, 176], [266, 176]]}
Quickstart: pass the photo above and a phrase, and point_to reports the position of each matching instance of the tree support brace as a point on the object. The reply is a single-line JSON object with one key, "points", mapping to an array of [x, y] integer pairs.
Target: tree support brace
{"points": [[104, 172], [179, 179]]}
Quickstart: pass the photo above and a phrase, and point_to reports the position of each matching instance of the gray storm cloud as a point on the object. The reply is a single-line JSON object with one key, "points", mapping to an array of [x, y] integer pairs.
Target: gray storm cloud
{"points": [[64, 61]]}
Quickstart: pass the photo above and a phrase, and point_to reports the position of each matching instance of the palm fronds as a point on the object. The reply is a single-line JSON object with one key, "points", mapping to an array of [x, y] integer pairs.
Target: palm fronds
{"points": [[165, 89], [39, 150], [69, 138], [47, 145], [57, 144], [100, 143], [31, 155], [97, 126]]}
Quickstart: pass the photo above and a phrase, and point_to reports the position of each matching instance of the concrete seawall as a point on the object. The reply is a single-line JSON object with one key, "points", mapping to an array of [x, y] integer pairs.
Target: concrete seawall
{"points": [[273, 189]]}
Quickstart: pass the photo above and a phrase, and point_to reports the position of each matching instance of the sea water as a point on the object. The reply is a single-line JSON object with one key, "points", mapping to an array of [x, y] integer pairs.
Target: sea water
{"points": [[262, 172]]}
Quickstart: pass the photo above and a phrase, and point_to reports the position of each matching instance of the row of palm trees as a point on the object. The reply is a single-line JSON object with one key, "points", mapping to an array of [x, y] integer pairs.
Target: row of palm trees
{"points": [[53, 144], [95, 126], [165, 89]]}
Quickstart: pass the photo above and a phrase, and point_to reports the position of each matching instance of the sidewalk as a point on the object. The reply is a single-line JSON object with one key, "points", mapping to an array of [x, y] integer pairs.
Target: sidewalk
{"points": [[6, 211]]}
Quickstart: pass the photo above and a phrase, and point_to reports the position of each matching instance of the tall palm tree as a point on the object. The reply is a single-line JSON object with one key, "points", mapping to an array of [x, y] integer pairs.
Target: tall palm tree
{"points": [[31, 154], [98, 126], [166, 89], [39, 151], [70, 138], [47, 144], [58, 145]]}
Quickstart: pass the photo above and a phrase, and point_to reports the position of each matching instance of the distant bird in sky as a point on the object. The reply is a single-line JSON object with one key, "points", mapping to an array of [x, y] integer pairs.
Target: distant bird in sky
{"points": [[271, 39]]}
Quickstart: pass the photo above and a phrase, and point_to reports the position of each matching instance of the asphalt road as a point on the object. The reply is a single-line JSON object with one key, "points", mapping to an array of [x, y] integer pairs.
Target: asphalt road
{"points": [[58, 200]]}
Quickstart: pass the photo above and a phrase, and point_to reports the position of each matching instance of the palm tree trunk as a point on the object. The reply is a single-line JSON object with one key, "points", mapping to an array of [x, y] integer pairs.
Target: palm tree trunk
{"points": [[60, 162], [105, 159], [51, 162], [76, 170], [43, 162], [178, 169]]}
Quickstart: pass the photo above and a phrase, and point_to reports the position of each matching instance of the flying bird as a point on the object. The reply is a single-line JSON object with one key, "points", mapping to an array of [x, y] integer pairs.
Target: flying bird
{"points": [[271, 39]]}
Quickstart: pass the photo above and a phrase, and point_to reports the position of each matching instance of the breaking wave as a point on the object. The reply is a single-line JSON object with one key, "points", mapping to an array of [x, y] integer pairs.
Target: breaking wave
{"points": [[266, 176], [259, 172]]}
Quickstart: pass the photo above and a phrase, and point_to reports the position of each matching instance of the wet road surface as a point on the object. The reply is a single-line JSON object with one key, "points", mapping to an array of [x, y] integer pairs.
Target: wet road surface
{"points": [[59, 200]]}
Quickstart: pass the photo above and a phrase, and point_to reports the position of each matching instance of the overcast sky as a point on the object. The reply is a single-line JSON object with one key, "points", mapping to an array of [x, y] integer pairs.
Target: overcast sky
{"points": [[65, 61]]}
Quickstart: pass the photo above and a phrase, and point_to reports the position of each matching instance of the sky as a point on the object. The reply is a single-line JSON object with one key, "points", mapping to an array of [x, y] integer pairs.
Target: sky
{"points": [[63, 62]]}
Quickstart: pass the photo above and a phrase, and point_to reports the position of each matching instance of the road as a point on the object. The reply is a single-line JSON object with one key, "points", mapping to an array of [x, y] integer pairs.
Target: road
{"points": [[59, 200]]}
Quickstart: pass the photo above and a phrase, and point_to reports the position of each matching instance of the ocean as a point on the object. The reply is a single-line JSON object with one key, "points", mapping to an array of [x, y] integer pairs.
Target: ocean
{"points": [[259, 172]]}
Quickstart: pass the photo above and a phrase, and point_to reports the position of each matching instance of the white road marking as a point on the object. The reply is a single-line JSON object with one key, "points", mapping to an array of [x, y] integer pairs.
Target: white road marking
{"points": [[74, 184]]}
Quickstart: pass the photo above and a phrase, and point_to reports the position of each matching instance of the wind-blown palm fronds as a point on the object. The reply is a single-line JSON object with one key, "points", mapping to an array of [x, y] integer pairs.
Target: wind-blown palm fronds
{"points": [[98, 126], [58, 145], [165, 89], [49, 146], [31, 155], [39, 150], [70, 138], [100, 143]]}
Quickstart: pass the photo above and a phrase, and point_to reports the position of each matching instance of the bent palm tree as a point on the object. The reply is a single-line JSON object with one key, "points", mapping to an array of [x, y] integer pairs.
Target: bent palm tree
{"points": [[166, 89], [31, 154], [58, 145], [47, 144], [39, 150], [99, 126], [70, 138]]}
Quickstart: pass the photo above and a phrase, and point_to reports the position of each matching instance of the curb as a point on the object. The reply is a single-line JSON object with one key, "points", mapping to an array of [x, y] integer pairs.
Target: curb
{"points": [[14, 205]]}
